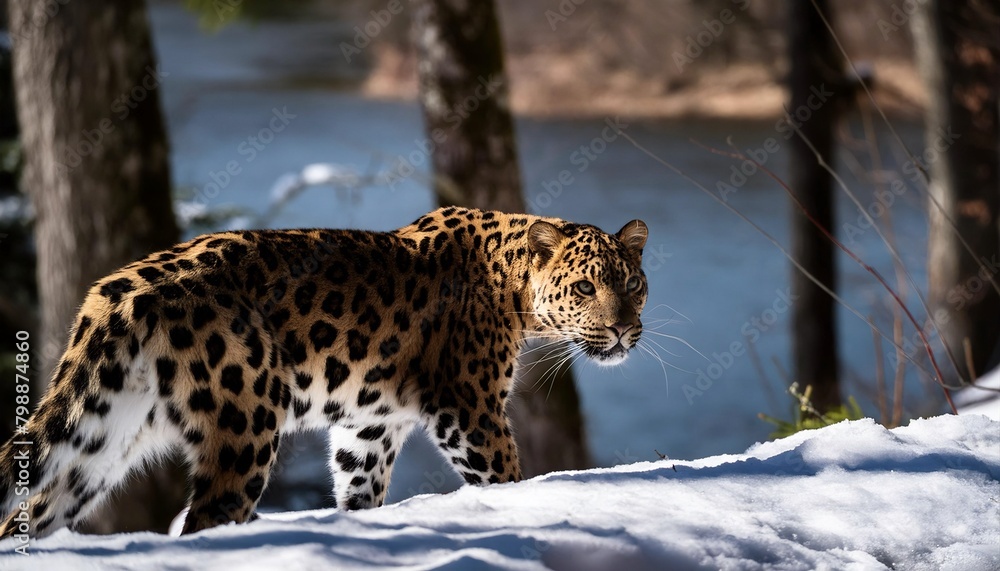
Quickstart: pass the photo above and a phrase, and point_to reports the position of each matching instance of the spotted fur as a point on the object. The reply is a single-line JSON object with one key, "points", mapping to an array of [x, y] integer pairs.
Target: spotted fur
{"points": [[222, 344]]}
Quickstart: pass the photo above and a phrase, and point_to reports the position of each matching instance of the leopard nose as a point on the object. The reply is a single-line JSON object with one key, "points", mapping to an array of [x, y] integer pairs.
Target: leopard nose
{"points": [[621, 328]]}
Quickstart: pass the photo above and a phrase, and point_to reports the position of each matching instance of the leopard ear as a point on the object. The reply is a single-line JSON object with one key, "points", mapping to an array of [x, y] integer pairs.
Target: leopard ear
{"points": [[634, 235], [543, 238]]}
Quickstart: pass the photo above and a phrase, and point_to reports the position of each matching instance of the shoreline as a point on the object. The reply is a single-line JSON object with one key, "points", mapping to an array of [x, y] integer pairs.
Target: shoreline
{"points": [[553, 86]]}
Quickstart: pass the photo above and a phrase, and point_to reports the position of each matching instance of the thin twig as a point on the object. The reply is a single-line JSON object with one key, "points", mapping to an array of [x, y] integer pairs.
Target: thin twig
{"points": [[967, 344], [880, 395], [782, 373], [900, 380], [897, 317], [765, 381]]}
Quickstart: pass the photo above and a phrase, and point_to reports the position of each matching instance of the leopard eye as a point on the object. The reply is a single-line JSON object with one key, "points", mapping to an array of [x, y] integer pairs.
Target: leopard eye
{"points": [[585, 287], [632, 284]]}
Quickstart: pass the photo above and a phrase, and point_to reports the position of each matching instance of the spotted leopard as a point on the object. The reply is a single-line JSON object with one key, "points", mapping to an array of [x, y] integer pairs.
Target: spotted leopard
{"points": [[221, 345]]}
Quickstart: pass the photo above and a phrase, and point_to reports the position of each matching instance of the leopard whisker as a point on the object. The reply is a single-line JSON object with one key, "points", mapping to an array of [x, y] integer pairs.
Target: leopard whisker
{"points": [[686, 318], [664, 349], [540, 382], [554, 368], [552, 354], [554, 341], [669, 364], [552, 384], [666, 379], [680, 340], [661, 322]]}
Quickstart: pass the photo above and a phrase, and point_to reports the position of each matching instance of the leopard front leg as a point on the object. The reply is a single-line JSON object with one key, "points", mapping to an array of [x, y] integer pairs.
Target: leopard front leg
{"points": [[361, 462], [479, 443], [228, 479]]}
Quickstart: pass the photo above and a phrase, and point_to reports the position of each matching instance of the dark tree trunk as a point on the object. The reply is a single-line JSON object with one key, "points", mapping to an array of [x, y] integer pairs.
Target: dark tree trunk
{"points": [[815, 73], [96, 170], [464, 96], [958, 49]]}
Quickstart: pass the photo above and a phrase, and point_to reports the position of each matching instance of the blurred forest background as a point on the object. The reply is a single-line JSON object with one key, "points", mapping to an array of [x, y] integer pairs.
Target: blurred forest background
{"points": [[127, 126], [672, 58]]}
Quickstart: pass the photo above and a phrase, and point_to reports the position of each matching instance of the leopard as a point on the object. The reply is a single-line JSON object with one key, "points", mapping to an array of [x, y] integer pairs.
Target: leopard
{"points": [[220, 346]]}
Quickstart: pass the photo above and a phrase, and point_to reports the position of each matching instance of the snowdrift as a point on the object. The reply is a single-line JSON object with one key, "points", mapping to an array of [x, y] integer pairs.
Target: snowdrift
{"points": [[849, 496]]}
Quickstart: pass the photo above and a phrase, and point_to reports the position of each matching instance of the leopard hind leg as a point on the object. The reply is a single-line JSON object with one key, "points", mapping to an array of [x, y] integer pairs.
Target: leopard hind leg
{"points": [[107, 436]]}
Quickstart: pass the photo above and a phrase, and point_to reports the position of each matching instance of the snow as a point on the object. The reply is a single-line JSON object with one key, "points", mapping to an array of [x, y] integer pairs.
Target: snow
{"points": [[983, 398], [850, 496], [312, 174]]}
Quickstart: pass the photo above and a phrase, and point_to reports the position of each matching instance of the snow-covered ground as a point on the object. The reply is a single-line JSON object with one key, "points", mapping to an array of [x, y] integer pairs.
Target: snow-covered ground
{"points": [[849, 496]]}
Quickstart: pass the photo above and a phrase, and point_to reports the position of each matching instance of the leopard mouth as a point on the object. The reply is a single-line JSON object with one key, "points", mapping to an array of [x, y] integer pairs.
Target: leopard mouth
{"points": [[608, 357]]}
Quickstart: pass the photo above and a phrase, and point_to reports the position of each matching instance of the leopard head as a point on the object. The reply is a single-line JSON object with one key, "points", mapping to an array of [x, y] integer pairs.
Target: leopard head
{"points": [[589, 287]]}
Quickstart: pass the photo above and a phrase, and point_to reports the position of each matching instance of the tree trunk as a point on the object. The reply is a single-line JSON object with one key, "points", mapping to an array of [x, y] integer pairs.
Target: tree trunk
{"points": [[815, 74], [958, 52], [95, 147], [96, 168], [464, 96]]}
